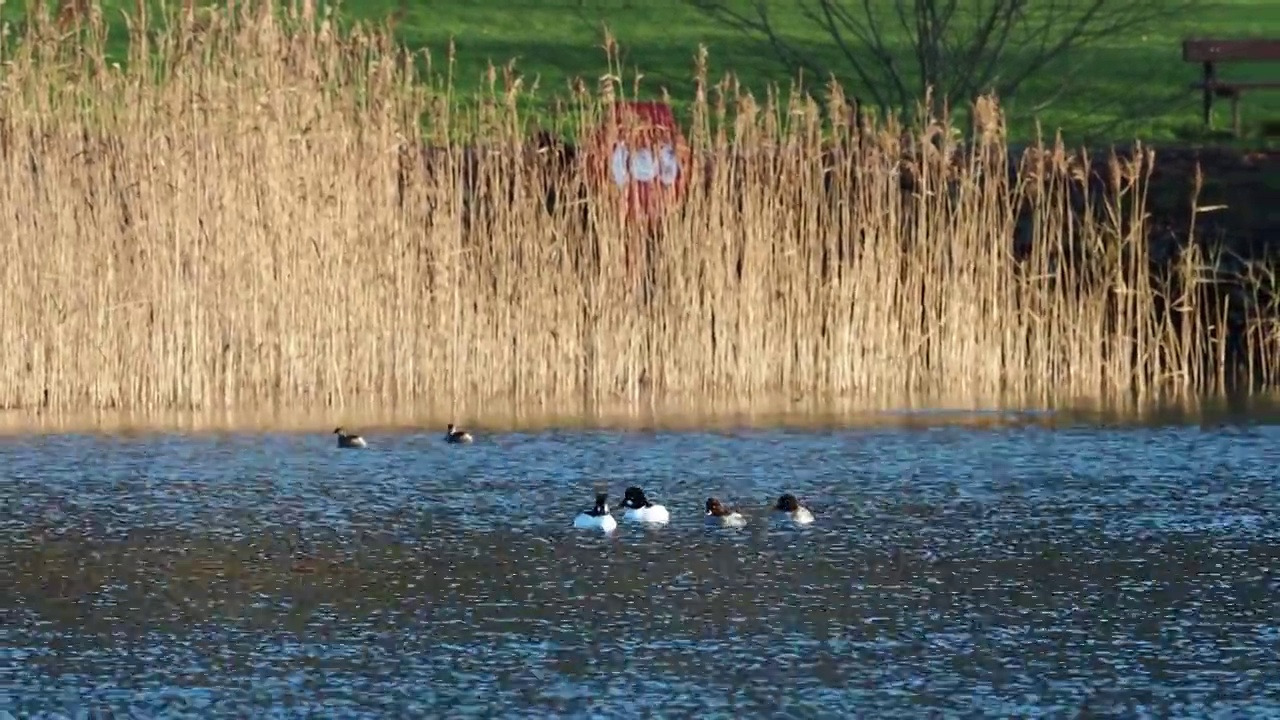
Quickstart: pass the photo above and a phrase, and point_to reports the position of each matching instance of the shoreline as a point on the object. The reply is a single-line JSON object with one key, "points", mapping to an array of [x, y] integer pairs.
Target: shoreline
{"points": [[670, 417]]}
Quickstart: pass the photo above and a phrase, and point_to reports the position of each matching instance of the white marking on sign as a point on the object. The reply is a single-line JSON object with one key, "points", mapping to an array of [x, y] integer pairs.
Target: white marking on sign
{"points": [[642, 165], [619, 163], [668, 165], [625, 165]]}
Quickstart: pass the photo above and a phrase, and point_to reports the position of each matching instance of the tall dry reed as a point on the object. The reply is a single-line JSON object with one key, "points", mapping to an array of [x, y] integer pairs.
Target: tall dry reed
{"points": [[238, 219]]}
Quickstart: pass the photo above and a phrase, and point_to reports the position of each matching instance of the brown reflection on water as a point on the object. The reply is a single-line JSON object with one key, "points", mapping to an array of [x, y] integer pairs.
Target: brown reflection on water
{"points": [[601, 590], [906, 413]]}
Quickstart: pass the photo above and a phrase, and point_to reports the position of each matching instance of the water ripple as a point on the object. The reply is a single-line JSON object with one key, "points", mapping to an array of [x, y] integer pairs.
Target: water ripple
{"points": [[1011, 572]]}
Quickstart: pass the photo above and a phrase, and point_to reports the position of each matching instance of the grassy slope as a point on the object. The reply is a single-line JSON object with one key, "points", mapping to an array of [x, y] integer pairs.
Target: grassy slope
{"points": [[1132, 86]]}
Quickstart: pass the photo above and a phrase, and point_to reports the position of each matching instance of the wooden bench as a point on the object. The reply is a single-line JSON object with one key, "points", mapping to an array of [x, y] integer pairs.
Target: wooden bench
{"points": [[1210, 52]]}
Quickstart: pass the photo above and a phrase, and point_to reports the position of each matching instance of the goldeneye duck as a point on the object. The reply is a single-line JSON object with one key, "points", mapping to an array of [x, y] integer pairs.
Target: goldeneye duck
{"points": [[718, 514], [639, 509], [456, 435], [350, 440], [788, 508], [598, 517]]}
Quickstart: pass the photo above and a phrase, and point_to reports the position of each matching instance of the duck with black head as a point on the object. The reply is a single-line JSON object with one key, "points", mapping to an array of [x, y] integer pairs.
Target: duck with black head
{"points": [[349, 440], [641, 510], [789, 509], [454, 434], [598, 517], [720, 516]]}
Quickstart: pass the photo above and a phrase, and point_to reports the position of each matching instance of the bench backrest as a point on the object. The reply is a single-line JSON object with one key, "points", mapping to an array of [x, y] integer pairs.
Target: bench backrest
{"points": [[1226, 50]]}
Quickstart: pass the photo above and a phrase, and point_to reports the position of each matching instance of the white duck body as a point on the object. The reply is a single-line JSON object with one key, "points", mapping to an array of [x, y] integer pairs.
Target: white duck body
{"points": [[597, 518], [640, 510]]}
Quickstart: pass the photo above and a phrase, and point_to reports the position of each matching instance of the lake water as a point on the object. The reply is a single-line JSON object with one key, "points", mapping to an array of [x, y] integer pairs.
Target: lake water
{"points": [[1025, 571]]}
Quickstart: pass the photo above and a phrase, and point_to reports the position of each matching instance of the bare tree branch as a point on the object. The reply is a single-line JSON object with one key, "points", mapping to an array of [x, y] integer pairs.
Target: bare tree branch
{"points": [[837, 25], [760, 26], [959, 48], [990, 39]]}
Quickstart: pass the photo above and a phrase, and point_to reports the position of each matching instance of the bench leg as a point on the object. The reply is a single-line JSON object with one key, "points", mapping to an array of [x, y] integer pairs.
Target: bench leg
{"points": [[1208, 95]]}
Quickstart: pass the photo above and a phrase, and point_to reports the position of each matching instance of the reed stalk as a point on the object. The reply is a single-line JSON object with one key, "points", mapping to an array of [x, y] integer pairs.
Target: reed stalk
{"points": [[245, 216]]}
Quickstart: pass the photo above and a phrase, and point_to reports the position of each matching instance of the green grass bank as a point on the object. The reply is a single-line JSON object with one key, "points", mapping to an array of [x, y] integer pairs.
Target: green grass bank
{"points": [[1131, 85]]}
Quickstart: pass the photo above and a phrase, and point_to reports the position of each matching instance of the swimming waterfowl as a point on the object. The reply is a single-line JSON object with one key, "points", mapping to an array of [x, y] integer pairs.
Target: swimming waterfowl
{"points": [[598, 517], [718, 514], [788, 508], [456, 435], [639, 509], [349, 440]]}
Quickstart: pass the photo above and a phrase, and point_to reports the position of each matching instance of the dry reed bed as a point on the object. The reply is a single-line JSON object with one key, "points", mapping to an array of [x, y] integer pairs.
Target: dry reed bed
{"points": [[237, 229]]}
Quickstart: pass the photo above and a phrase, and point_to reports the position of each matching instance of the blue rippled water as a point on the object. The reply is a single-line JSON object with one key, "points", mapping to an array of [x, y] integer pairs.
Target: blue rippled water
{"points": [[1009, 572]]}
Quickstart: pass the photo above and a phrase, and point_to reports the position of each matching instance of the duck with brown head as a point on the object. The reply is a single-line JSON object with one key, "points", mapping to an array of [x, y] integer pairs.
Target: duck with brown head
{"points": [[721, 516], [789, 509]]}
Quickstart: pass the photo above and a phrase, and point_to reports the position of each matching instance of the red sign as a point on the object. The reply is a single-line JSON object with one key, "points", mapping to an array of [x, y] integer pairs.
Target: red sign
{"points": [[641, 157]]}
